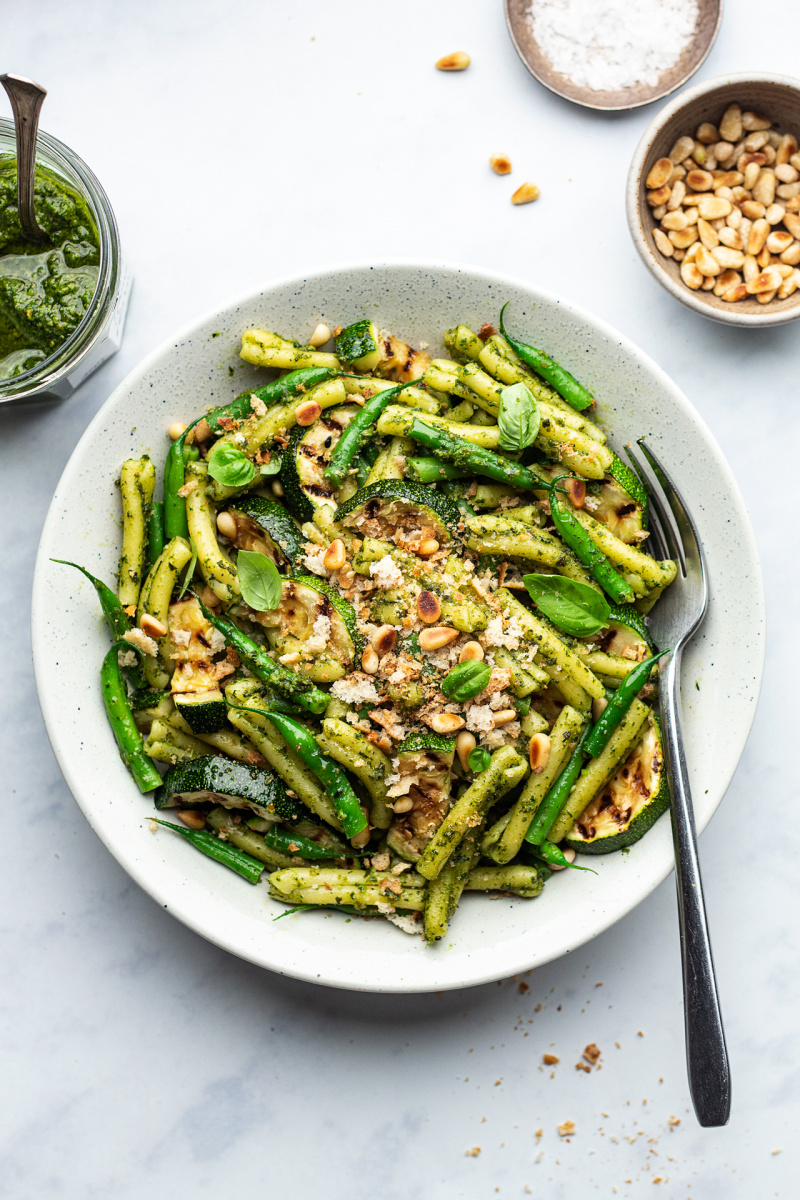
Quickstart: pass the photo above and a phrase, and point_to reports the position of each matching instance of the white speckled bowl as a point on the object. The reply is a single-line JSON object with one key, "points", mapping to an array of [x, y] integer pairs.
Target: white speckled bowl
{"points": [[488, 939]]}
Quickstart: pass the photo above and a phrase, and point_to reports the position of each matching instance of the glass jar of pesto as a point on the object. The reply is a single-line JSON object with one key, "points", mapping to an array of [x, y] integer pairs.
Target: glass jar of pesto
{"points": [[62, 302]]}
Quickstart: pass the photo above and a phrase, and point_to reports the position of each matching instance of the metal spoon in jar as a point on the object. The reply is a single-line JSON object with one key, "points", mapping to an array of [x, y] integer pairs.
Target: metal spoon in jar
{"points": [[26, 99]]}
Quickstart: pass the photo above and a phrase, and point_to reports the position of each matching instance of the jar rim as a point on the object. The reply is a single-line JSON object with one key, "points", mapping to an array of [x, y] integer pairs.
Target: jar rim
{"points": [[56, 155]]}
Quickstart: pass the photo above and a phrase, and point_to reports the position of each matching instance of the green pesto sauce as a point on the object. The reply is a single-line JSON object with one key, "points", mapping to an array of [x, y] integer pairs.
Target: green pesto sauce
{"points": [[45, 287]]}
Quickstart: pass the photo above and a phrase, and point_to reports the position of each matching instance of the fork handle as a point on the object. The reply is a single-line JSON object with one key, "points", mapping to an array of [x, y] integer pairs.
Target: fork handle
{"points": [[707, 1058]]}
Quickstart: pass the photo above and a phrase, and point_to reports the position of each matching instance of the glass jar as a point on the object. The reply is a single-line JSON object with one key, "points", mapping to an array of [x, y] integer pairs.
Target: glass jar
{"points": [[99, 334]]}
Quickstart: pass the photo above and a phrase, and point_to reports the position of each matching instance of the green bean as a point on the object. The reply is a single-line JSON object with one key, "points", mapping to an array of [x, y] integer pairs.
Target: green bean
{"points": [[294, 687], [175, 523], [549, 809], [619, 704], [155, 531], [221, 852], [565, 384], [278, 392], [351, 749], [329, 773], [430, 470], [554, 856], [120, 717], [483, 462], [357, 433], [576, 537], [292, 844]]}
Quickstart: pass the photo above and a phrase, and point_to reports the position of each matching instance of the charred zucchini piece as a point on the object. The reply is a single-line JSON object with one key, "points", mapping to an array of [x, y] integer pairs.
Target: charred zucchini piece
{"points": [[264, 525], [629, 804], [400, 506], [217, 780], [203, 712], [425, 763], [316, 623], [359, 346], [306, 457]]}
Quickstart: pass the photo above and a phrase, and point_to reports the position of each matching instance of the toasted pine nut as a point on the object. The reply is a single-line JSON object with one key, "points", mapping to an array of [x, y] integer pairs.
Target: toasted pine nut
{"points": [[176, 429], [457, 61], [403, 805], [525, 194], [674, 220], [201, 432], [539, 752], [753, 210], [436, 638], [209, 598], [767, 297], [598, 707], [471, 652], [774, 214], [277, 488], [738, 292], [708, 283], [320, 336], [152, 626], [778, 241], [700, 181], [764, 189], [346, 576], [676, 195], [429, 608], [659, 196], [691, 276], [751, 120], [683, 238], [788, 191], [465, 744], [504, 716], [749, 268], [576, 490], [758, 236], [500, 164], [792, 223], [692, 216], [679, 255], [723, 151], [427, 547], [226, 524], [706, 262], [682, 149], [192, 818], [792, 255], [726, 280], [384, 639], [734, 219], [711, 207], [370, 661], [731, 124], [335, 555], [756, 140], [659, 212], [786, 148], [569, 855], [707, 133], [768, 281], [360, 840], [663, 243], [445, 722], [793, 204], [307, 412], [659, 173], [730, 237], [688, 255], [729, 260], [786, 173], [788, 287], [708, 235]]}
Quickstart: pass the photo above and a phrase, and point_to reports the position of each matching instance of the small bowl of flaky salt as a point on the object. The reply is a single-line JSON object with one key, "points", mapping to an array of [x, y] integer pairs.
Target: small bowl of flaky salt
{"points": [[613, 54]]}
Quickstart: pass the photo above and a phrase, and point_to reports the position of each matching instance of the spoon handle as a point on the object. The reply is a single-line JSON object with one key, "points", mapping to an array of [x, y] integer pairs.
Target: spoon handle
{"points": [[26, 99]]}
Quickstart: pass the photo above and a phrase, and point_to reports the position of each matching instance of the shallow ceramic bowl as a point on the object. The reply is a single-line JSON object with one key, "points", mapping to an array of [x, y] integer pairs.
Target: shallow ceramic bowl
{"points": [[775, 96], [709, 16], [488, 939]]}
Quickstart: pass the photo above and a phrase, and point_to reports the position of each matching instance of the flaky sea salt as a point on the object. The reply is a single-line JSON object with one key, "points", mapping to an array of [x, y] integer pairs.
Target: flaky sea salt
{"points": [[607, 45]]}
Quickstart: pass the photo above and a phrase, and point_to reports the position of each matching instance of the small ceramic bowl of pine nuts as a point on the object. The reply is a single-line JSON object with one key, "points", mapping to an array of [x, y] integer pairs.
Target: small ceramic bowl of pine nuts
{"points": [[713, 199]]}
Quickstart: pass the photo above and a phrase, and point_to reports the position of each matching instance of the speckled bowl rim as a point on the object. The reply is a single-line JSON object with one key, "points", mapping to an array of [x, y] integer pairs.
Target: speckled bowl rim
{"points": [[360, 957], [633, 208]]}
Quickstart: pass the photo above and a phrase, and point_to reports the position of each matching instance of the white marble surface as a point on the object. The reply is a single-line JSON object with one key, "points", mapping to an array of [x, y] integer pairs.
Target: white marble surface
{"points": [[139, 1060]]}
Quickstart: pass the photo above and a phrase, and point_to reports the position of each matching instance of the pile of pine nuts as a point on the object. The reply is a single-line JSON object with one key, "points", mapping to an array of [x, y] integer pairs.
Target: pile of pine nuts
{"points": [[728, 206]]}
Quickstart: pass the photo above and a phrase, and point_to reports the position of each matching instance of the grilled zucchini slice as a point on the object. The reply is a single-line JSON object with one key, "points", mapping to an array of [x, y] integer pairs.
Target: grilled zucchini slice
{"points": [[316, 623], [425, 762], [217, 780], [398, 510], [264, 526], [307, 455], [629, 804]]}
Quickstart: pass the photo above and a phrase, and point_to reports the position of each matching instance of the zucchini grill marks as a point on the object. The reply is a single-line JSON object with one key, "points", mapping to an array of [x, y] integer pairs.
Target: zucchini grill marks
{"points": [[406, 724]]}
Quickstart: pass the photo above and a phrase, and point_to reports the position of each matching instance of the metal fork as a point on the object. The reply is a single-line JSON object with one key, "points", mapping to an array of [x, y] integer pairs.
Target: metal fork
{"points": [[673, 622]]}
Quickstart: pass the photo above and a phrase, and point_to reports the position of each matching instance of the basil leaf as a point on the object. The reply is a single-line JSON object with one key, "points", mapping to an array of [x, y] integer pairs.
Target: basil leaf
{"points": [[187, 579], [230, 467], [478, 759], [572, 606], [273, 466], [519, 417], [259, 580]]}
